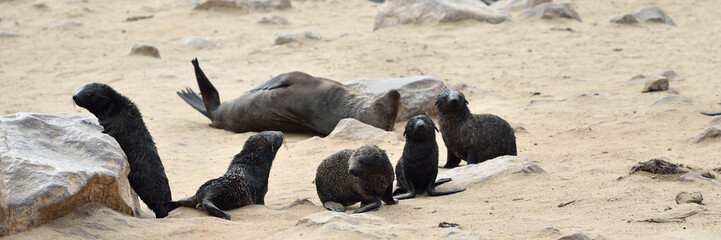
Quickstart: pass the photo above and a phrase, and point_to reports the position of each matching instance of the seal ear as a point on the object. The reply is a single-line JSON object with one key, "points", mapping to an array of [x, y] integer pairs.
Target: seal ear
{"points": [[465, 101]]}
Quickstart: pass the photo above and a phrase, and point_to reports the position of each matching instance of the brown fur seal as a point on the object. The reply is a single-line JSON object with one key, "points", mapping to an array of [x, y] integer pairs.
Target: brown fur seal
{"points": [[417, 169], [471, 137], [363, 175], [121, 119], [294, 102], [245, 182]]}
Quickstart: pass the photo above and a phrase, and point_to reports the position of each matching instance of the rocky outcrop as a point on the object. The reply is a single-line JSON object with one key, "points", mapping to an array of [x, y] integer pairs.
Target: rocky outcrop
{"points": [[418, 93], [652, 14], [420, 12], [465, 176], [52, 164]]}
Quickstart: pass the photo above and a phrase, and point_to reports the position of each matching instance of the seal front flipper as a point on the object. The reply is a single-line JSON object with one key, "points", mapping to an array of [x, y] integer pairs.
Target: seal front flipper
{"points": [[284, 80], [211, 99], [452, 161], [410, 194], [212, 210]]}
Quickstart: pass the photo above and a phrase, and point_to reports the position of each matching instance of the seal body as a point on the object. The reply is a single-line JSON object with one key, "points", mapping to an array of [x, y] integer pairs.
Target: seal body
{"points": [[245, 182], [121, 119], [417, 169], [363, 175], [294, 102], [471, 137]]}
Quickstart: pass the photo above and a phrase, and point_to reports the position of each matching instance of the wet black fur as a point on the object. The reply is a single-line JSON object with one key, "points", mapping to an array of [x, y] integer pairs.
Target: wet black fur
{"points": [[245, 182], [121, 119], [471, 137], [417, 168], [363, 175]]}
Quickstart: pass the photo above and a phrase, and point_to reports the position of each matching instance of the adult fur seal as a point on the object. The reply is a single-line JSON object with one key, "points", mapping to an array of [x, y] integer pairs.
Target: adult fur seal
{"points": [[294, 102], [363, 175], [121, 119], [245, 182], [471, 137], [417, 168]]}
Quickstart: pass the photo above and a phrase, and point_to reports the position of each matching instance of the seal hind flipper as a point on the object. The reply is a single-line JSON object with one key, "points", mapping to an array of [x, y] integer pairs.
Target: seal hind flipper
{"points": [[433, 192], [194, 100], [280, 81], [188, 202], [212, 210], [211, 99], [442, 181]]}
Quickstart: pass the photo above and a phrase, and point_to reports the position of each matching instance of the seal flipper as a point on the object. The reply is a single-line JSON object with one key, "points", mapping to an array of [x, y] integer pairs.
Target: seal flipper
{"points": [[211, 99], [452, 161], [212, 210], [433, 192], [442, 181], [194, 100], [188, 202], [367, 206]]}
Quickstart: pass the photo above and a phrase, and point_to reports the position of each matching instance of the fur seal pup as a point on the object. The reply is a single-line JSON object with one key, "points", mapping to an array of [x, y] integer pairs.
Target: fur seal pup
{"points": [[417, 168], [121, 119], [245, 182], [294, 102], [471, 137], [363, 175]]}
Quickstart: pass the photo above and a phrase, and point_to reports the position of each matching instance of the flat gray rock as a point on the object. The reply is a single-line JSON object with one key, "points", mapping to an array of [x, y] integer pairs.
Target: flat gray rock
{"points": [[576, 235], [671, 75], [198, 42], [467, 175], [710, 133], [421, 12], [653, 14], [8, 34], [552, 10], [715, 120], [671, 99], [418, 93], [52, 164], [272, 19], [242, 5], [144, 50], [352, 129]]}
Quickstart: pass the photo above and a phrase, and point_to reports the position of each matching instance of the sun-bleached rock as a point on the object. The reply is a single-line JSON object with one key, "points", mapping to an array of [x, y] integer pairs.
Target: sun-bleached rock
{"points": [[418, 93], [709, 133], [144, 50], [52, 164], [352, 129], [660, 84], [552, 10], [478, 173], [421, 12]]}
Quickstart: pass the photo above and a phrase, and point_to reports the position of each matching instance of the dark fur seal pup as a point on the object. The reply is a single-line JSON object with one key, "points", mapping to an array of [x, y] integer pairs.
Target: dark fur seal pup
{"points": [[294, 102], [363, 175], [417, 169], [471, 137], [121, 119], [245, 182]]}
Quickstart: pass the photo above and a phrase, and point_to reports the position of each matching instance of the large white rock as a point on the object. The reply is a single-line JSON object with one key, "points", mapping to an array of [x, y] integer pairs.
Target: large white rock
{"points": [[418, 93], [51, 164], [477, 173], [394, 12]]}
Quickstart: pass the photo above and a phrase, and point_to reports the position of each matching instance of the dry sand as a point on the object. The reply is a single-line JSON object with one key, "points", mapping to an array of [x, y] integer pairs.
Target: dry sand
{"points": [[586, 143]]}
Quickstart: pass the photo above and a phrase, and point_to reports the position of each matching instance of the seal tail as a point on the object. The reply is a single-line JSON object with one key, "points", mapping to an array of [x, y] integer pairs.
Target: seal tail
{"points": [[211, 99]]}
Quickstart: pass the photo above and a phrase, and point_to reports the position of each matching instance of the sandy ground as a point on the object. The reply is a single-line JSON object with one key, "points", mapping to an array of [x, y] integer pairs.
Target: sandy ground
{"points": [[586, 143]]}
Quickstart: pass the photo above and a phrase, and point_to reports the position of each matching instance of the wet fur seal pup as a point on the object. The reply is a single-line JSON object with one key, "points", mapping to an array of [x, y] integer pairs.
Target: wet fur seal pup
{"points": [[417, 168], [121, 119], [293, 102], [245, 182], [471, 137], [363, 175]]}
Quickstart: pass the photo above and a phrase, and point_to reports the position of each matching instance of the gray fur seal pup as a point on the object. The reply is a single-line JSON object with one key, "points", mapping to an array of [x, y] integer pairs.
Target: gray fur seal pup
{"points": [[245, 182], [293, 102], [363, 175], [471, 137], [417, 169]]}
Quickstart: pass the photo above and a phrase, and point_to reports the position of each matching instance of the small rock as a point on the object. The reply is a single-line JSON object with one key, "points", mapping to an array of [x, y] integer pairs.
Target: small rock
{"points": [[517, 5], [41, 6], [624, 19], [311, 35], [136, 18], [576, 235], [144, 50], [660, 84], [272, 19], [670, 75], [653, 14], [709, 133], [457, 234], [448, 225], [715, 120], [198, 42], [672, 99], [519, 128], [68, 25], [283, 39], [422, 12], [658, 166], [552, 10], [694, 197], [467, 175], [8, 34], [352, 129], [640, 78]]}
